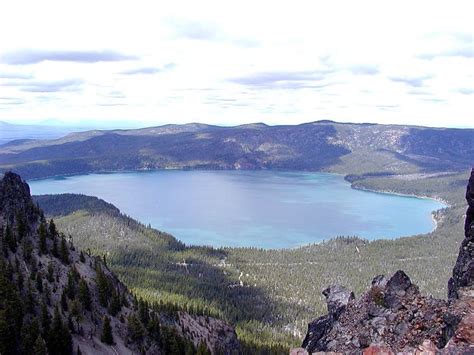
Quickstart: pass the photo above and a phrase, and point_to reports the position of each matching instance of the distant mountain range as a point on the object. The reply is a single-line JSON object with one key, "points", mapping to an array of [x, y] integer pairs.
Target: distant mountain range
{"points": [[316, 146], [10, 132]]}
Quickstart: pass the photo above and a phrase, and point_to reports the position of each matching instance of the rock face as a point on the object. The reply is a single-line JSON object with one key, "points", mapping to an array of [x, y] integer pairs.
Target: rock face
{"points": [[337, 298], [463, 272], [393, 316], [15, 199], [218, 335]]}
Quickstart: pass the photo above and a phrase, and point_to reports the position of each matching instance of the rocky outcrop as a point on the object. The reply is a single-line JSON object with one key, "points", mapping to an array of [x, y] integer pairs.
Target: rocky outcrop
{"points": [[15, 200], [337, 298], [463, 272], [394, 317], [219, 336], [392, 312]]}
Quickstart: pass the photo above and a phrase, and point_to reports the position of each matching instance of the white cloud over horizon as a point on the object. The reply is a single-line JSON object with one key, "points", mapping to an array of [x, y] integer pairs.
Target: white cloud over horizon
{"points": [[215, 62]]}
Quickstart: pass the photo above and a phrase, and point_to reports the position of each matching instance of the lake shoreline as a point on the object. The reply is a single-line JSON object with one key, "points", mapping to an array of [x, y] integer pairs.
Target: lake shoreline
{"points": [[263, 188], [391, 192]]}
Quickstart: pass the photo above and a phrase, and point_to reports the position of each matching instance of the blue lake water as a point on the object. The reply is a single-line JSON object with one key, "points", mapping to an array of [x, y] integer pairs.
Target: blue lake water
{"points": [[269, 209]]}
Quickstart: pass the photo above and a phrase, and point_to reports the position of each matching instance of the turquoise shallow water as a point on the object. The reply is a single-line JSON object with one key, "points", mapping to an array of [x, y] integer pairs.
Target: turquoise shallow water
{"points": [[268, 209]]}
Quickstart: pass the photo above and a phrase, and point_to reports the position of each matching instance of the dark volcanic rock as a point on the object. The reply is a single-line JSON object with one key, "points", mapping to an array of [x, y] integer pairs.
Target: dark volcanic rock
{"points": [[396, 288], [463, 272], [15, 199], [391, 312], [337, 298]]}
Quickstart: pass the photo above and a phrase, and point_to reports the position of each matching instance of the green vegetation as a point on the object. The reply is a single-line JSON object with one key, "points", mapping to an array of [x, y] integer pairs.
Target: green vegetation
{"points": [[270, 295]]}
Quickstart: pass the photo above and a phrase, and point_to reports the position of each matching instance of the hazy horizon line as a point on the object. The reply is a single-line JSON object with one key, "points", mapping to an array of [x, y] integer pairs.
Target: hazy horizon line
{"points": [[130, 124]]}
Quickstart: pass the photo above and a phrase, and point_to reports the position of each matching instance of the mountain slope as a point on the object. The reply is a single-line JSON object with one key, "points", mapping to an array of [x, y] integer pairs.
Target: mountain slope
{"points": [[323, 145], [57, 298]]}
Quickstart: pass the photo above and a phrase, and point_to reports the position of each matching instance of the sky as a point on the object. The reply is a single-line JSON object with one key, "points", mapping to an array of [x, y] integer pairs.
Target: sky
{"points": [[144, 63]]}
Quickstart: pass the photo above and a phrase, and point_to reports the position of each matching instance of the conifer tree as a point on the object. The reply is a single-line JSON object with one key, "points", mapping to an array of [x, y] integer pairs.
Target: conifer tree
{"points": [[21, 226], [45, 320], [115, 305], [29, 300], [64, 251], [102, 288], [135, 328], [106, 336], [29, 333], [154, 327], [59, 339], [52, 229], [64, 304], [10, 239], [202, 349], [40, 346], [84, 294], [39, 282], [50, 274], [54, 249], [70, 288], [43, 247], [143, 311]]}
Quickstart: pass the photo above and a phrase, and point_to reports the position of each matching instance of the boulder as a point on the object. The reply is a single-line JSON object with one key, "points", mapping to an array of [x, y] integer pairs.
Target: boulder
{"points": [[337, 298]]}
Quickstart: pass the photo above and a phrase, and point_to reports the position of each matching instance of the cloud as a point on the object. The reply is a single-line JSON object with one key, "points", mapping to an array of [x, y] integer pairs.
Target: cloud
{"points": [[449, 44], [245, 42], [29, 56], [387, 107], [15, 76], [432, 100], [207, 31], [48, 86], [115, 94], [284, 80], [195, 30], [412, 81], [11, 101], [463, 37], [112, 104], [465, 91], [364, 69], [464, 51], [148, 70], [419, 92]]}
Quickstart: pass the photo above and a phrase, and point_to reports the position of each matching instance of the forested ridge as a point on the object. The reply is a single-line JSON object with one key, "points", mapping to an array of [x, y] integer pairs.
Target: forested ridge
{"points": [[58, 299], [315, 146]]}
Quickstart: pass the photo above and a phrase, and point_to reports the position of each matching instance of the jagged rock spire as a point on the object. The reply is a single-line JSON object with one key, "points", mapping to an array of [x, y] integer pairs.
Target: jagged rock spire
{"points": [[15, 197], [463, 272]]}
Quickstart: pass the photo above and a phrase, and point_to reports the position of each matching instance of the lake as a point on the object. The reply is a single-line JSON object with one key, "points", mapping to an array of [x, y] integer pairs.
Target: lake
{"points": [[268, 209]]}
